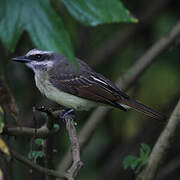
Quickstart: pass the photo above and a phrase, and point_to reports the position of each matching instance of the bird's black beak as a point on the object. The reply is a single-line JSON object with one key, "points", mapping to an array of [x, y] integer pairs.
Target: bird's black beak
{"points": [[21, 59]]}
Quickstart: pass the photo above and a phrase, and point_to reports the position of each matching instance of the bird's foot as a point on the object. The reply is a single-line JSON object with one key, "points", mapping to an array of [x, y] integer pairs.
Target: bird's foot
{"points": [[67, 112]]}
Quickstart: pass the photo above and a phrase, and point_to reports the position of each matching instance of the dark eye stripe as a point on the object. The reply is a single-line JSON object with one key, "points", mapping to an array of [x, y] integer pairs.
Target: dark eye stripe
{"points": [[38, 57]]}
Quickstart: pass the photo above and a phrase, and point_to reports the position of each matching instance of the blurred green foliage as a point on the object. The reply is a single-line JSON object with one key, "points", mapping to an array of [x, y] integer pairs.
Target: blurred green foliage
{"points": [[45, 26], [136, 163], [34, 155], [98, 12], [39, 141]]}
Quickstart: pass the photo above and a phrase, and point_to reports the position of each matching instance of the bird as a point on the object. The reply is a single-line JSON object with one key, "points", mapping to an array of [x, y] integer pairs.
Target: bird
{"points": [[77, 88]]}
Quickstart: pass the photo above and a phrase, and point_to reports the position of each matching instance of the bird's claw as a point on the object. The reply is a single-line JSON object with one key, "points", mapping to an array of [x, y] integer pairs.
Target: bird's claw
{"points": [[67, 112]]}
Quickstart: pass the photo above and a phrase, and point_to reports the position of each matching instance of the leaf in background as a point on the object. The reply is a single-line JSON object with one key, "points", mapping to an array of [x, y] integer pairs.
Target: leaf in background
{"points": [[1, 175], [10, 24], [130, 161], [44, 26], [34, 155], [144, 150], [1, 119], [4, 148], [136, 163], [39, 141], [94, 12], [56, 127]]}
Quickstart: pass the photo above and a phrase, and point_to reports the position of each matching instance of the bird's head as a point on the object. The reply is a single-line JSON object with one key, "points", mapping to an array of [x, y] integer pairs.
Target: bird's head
{"points": [[37, 59]]}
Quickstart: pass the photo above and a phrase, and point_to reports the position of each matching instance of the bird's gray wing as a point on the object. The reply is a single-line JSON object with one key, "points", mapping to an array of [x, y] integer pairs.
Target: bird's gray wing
{"points": [[88, 85]]}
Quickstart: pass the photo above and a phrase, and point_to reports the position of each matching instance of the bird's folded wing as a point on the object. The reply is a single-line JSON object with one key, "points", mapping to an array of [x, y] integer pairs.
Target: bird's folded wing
{"points": [[94, 87]]}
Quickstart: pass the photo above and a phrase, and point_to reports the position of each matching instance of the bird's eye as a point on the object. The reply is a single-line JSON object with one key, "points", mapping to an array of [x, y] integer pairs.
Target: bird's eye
{"points": [[38, 56]]}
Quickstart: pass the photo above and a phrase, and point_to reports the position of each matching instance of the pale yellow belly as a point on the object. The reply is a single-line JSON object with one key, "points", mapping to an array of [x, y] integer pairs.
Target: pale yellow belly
{"points": [[62, 98]]}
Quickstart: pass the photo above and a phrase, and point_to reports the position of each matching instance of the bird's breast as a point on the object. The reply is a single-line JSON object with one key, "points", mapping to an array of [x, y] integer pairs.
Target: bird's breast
{"points": [[60, 97]]}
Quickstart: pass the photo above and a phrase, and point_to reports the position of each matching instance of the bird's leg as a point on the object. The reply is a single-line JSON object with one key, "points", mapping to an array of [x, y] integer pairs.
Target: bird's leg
{"points": [[67, 112]]}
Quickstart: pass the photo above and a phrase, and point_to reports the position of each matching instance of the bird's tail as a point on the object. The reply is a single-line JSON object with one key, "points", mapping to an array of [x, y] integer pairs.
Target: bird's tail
{"points": [[142, 108]]}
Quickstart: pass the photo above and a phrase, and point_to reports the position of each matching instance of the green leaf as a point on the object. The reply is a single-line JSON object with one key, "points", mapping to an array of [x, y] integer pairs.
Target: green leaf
{"points": [[34, 155], [136, 163], [74, 123], [44, 26], [146, 148], [94, 12], [130, 161], [144, 151], [56, 127], [39, 141], [44, 115], [11, 26]]}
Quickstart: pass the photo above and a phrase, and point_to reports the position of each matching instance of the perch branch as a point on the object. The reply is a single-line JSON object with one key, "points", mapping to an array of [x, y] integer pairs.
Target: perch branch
{"points": [[161, 146], [77, 164], [124, 82], [75, 148]]}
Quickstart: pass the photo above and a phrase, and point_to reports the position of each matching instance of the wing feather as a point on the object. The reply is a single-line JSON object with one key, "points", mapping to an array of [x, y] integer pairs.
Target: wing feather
{"points": [[88, 86]]}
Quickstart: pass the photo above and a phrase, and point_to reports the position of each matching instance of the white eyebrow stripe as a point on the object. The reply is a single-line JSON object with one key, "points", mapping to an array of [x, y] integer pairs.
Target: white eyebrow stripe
{"points": [[98, 80], [36, 51]]}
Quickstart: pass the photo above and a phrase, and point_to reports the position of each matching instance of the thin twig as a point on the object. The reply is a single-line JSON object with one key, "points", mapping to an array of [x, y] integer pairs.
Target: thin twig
{"points": [[124, 82], [29, 132], [32, 165], [148, 58], [160, 149], [110, 46], [41, 132]]}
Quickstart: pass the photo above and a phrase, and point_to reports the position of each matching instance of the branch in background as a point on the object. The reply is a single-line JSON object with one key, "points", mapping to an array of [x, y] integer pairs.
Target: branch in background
{"points": [[124, 82], [161, 146], [7, 101], [110, 46], [34, 166], [112, 168], [29, 132], [148, 58], [40, 132]]}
